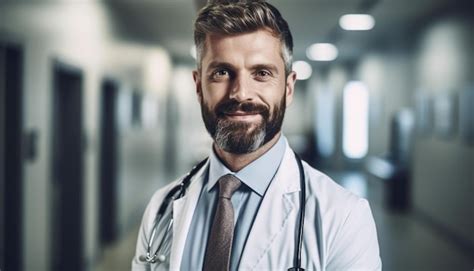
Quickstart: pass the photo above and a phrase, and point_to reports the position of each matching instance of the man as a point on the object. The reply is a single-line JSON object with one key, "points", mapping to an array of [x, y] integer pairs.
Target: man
{"points": [[241, 209]]}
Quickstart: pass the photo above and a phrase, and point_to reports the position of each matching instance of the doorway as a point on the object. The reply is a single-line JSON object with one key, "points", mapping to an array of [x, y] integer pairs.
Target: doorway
{"points": [[11, 173], [67, 162], [108, 163]]}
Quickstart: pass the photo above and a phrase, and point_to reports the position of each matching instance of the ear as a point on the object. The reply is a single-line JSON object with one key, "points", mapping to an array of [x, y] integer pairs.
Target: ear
{"points": [[197, 82], [290, 87]]}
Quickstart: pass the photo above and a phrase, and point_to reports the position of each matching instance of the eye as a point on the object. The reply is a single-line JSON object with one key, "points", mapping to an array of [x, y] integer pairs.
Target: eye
{"points": [[263, 74], [221, 73]]}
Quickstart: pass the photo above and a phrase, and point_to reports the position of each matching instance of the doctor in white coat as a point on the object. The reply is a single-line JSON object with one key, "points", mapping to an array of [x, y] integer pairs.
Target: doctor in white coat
{"points": [[244, 83]]}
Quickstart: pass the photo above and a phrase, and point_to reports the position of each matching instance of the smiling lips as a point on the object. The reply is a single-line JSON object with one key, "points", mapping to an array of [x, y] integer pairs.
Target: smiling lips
{"points": [[242, 115]]}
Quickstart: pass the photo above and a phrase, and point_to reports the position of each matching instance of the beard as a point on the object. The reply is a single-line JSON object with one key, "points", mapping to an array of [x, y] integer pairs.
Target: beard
{"points": [[241, 137]]}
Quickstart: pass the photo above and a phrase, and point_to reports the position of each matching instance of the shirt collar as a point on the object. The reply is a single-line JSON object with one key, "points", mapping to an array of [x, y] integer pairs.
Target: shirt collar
{"points": [[256, 175]]}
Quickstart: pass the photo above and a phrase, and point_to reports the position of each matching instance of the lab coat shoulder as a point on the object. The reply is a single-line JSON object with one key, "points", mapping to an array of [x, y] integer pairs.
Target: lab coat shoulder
{"points": [[349, 236]]}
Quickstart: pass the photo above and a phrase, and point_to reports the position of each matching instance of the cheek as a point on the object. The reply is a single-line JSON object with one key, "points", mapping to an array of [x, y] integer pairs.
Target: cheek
{"points": [[214, 93], [272, 94]]}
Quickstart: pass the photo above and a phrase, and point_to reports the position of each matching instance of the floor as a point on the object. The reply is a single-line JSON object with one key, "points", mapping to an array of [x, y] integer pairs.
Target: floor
{"points": [[406, 242], [118, 257]]}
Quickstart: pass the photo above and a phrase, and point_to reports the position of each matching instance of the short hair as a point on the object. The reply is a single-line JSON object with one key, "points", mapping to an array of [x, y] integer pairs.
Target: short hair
{"points": [[231, 17]]}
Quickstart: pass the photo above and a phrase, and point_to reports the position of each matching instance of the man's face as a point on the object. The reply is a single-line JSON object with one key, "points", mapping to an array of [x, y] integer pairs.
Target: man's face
{"points": [[243, 90]]}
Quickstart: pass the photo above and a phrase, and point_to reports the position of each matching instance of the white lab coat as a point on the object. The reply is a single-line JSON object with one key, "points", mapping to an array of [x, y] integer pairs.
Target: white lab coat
{"points": [[339, 230]]}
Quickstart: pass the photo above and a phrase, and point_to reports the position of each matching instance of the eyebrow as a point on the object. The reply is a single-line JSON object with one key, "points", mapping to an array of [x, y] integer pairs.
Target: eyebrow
{"points": [[217, 64]]}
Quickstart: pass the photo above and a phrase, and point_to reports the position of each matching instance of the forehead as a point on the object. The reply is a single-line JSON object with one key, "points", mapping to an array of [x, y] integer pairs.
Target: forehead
{"points": [[257, 47]]}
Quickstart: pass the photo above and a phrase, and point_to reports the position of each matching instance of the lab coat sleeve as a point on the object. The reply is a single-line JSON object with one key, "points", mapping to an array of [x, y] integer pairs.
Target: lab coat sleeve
{"points": [[355, 246]]}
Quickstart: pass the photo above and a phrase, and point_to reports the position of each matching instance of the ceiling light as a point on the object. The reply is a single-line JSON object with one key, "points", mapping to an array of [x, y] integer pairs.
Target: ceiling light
{"points": [[322, 52], [303, 70], [357, 22]]}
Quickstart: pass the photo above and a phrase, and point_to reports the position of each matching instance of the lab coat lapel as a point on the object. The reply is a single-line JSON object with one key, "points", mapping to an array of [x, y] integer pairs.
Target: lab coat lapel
{"points": [[183, 210], [272, 217]]}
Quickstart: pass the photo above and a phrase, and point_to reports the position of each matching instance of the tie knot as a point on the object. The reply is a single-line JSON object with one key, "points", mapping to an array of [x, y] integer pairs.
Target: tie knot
{"points": [[227, 185]]}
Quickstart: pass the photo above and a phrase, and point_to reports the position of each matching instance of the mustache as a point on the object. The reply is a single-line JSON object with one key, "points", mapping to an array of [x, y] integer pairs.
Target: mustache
{"points": [[232, 106]]}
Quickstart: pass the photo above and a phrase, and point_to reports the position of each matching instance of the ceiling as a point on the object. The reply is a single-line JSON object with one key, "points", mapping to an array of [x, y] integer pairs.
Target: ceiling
{"points": [[169, 22]]}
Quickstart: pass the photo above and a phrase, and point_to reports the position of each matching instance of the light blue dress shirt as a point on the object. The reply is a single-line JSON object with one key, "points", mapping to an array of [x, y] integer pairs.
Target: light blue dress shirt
{"points": [[256, 178]]}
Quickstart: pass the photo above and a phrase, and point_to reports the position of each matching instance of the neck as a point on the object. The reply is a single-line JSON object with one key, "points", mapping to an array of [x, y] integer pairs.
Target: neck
{"points": [[236, 162]]}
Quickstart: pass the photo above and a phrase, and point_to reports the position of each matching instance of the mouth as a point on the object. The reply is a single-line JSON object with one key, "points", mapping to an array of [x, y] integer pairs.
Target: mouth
{"points": [[242, 115]]}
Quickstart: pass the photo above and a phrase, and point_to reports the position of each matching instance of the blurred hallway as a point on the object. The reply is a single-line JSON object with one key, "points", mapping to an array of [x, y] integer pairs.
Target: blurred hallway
{"points": [[98, 110]]}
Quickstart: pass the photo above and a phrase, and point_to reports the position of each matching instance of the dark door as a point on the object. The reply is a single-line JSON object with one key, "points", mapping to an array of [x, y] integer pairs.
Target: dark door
{"points": [[67, 168], [108, 162], [11, 181]]}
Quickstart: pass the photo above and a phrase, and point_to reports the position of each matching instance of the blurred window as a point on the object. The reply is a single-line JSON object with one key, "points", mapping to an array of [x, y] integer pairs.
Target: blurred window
{"points": [[355, 120]]}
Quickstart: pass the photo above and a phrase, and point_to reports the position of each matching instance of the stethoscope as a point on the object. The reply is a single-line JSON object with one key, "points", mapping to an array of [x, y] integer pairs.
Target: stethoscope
{"points": [[179, 191]]}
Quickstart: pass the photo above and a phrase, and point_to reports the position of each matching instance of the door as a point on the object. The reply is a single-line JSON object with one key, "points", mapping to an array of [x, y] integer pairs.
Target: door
{"points": [[108, 163], [11, 173], [67, 168]]}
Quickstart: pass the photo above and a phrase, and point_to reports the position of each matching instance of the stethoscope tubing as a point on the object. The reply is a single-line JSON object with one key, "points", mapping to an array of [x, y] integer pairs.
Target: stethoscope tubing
{"points": [[179, 191], [299, 244]]}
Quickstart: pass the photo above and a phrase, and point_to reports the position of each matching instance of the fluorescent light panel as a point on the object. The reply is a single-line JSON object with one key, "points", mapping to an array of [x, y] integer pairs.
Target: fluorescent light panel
{"points": [[322, 52], [357, 22]]}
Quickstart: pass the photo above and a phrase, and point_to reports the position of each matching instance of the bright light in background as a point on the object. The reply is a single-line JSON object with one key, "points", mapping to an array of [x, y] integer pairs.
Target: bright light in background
{"points": [[322, 52], [355, 119], [303, 70], [357, 22], [193, 52]]}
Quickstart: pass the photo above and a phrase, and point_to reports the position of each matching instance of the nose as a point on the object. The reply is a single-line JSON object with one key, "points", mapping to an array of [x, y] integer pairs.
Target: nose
{"points": [[241, 89]]}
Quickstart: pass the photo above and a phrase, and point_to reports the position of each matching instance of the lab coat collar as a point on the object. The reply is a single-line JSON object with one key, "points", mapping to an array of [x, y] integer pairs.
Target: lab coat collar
{"points": [[272, 217]]}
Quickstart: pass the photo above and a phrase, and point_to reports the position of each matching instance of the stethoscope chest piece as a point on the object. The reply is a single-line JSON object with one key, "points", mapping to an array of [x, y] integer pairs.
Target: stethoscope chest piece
{"points": [[159, 258]]}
